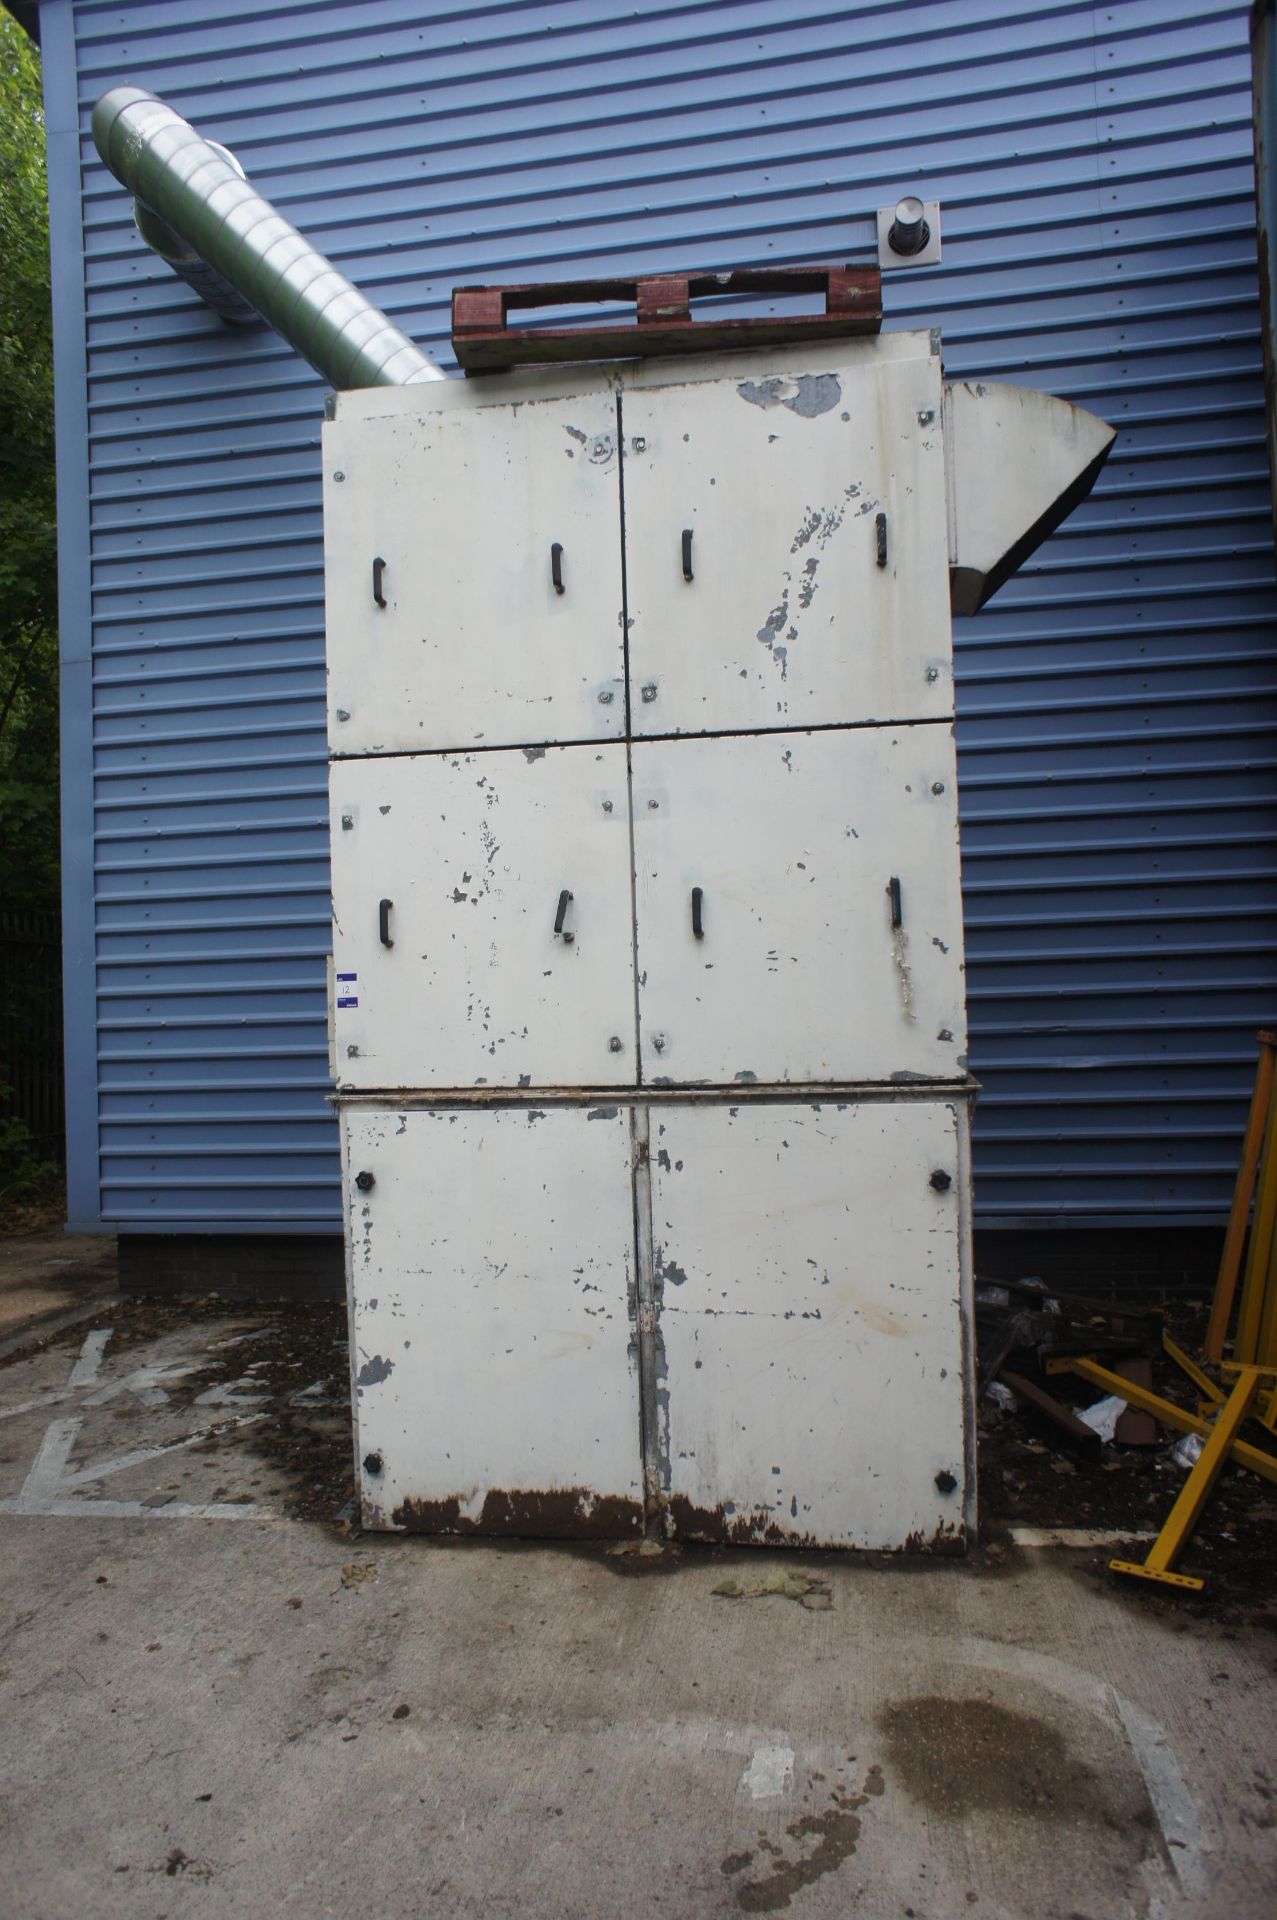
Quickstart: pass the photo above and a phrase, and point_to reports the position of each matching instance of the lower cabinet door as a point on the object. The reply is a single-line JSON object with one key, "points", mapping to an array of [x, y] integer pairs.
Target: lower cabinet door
{"points": [[810, 1279], [490, 1258]]}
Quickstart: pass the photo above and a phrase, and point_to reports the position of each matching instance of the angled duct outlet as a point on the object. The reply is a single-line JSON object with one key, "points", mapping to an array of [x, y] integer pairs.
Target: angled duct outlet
{"points": [[1019, 462], [197, 207]]}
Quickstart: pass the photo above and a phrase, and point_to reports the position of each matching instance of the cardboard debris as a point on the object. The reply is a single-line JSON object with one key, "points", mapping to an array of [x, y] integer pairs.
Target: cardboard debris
{"points": [[811, 1590]]}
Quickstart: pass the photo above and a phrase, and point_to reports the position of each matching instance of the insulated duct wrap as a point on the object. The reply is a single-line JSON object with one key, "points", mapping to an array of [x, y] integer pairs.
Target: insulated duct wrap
{"points": [[196, 190]]}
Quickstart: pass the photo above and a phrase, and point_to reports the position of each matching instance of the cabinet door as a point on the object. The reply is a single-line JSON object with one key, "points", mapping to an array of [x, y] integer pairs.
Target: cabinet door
{"points": [[811, 1286], [463, 509], [490, 1265], [818, 550], [822, 871], [457, 959]]}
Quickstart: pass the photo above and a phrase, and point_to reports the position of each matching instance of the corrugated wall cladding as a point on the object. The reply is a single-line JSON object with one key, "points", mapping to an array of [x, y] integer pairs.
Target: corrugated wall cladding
{"points": [[1117, 701]]}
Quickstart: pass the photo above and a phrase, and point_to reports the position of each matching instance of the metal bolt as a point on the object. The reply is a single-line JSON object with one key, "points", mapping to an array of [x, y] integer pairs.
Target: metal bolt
{"points": [[607, 806], [373, 1463], [347, 822], [649, 692], [640, 444], [615, 1044], [945, 1481], [600, 448], [653, 805], [937, 786], [941, 1180], [658, 1041], [925, 416], [365, 1181], [339, 475], [933, 673], [352, 1053], [341, 714], [605, 698]]}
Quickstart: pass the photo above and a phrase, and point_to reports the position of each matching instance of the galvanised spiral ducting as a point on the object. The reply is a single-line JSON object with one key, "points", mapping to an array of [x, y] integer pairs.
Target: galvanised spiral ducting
{"points": [[197, 191]]}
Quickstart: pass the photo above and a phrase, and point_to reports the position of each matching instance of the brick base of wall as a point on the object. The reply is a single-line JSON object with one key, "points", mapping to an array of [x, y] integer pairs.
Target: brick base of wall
{"points": [[1135, 1264], [247, 1266]]}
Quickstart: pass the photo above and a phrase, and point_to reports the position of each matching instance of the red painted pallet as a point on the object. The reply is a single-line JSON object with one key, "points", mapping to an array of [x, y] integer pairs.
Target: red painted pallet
{"points": [[485, 342]]}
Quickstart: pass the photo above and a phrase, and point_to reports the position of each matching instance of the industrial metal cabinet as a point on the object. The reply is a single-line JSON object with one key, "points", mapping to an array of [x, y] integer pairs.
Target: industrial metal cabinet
{"points": [[492, 1269], [818, 588], [445, 624], [647, 1013], [809, 1280]]}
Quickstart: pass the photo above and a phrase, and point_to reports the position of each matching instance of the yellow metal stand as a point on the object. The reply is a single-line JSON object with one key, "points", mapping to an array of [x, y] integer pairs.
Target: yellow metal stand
{"points": [[1195, 1492], [1259, 1132], [1252, 1370], [1170, 1415]]}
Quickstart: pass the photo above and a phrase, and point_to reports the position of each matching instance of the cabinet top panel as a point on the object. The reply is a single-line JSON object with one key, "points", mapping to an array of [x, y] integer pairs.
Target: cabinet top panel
{"points": [[619, 376]]}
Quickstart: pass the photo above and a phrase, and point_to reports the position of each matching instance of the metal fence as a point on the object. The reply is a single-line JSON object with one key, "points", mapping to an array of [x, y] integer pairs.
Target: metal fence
{"points": [[31, 1026]]}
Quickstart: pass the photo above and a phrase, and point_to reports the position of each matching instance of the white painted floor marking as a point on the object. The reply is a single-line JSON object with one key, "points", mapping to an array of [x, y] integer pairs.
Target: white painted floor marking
{"points": [[1073, 1537], [48, 1488], [48, 1484], [73, 1509], [50, 1462], [87, 1367], [89, 1364], [50, 1399], [769, 1772], [228, 1393], [1172, 1803], [146, 1384]]}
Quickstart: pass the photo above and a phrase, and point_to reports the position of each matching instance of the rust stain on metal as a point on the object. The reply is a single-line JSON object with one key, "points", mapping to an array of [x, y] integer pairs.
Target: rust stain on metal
{"points": [[726, 1526], [561, 1513]]}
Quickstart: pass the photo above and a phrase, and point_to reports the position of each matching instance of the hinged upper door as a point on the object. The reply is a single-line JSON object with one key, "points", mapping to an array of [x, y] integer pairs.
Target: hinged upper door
{"points": [[492, 1300], [473, 572], [787, 550], [482, 922], [810, 1289], [799, 913]]}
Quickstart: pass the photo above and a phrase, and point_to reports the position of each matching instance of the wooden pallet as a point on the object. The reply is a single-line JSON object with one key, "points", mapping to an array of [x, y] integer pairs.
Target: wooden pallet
{"points": [[485, 342]]}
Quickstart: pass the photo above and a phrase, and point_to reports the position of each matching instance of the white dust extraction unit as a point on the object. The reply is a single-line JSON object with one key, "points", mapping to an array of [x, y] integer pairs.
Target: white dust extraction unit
{"points": [[647, 1016]]}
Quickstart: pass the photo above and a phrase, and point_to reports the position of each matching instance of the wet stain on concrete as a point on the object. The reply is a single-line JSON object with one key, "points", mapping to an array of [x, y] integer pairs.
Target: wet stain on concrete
{"points": [[834, 1832], [957, 1757]]}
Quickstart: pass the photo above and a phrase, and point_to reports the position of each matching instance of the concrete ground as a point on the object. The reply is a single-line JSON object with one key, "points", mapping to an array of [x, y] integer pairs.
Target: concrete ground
{"points": [[214, 1705], [51, 1277]]}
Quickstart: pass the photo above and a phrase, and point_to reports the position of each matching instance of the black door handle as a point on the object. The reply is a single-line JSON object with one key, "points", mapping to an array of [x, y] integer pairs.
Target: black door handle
{"points": [[687, 553], [378, 570], [383, 922], [556, 566], [564, 898], [698, 930], [897, 908], [880, 538]]}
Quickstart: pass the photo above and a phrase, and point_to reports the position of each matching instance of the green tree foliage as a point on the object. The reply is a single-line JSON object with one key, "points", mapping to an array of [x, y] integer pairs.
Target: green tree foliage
{"points": [[28, 549]]}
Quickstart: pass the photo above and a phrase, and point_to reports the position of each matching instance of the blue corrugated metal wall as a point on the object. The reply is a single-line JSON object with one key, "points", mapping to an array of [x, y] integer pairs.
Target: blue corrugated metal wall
{"points": [[1117, 702]]}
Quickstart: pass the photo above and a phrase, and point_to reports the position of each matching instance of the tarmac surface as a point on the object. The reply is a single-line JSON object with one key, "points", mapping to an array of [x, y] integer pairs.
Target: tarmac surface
{"points": [[219, 1699]]}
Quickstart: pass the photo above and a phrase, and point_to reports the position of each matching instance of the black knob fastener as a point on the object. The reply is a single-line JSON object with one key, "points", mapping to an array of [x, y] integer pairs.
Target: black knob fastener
{"points": [[941, 1180], [373, 1463], [365, 1181]]}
